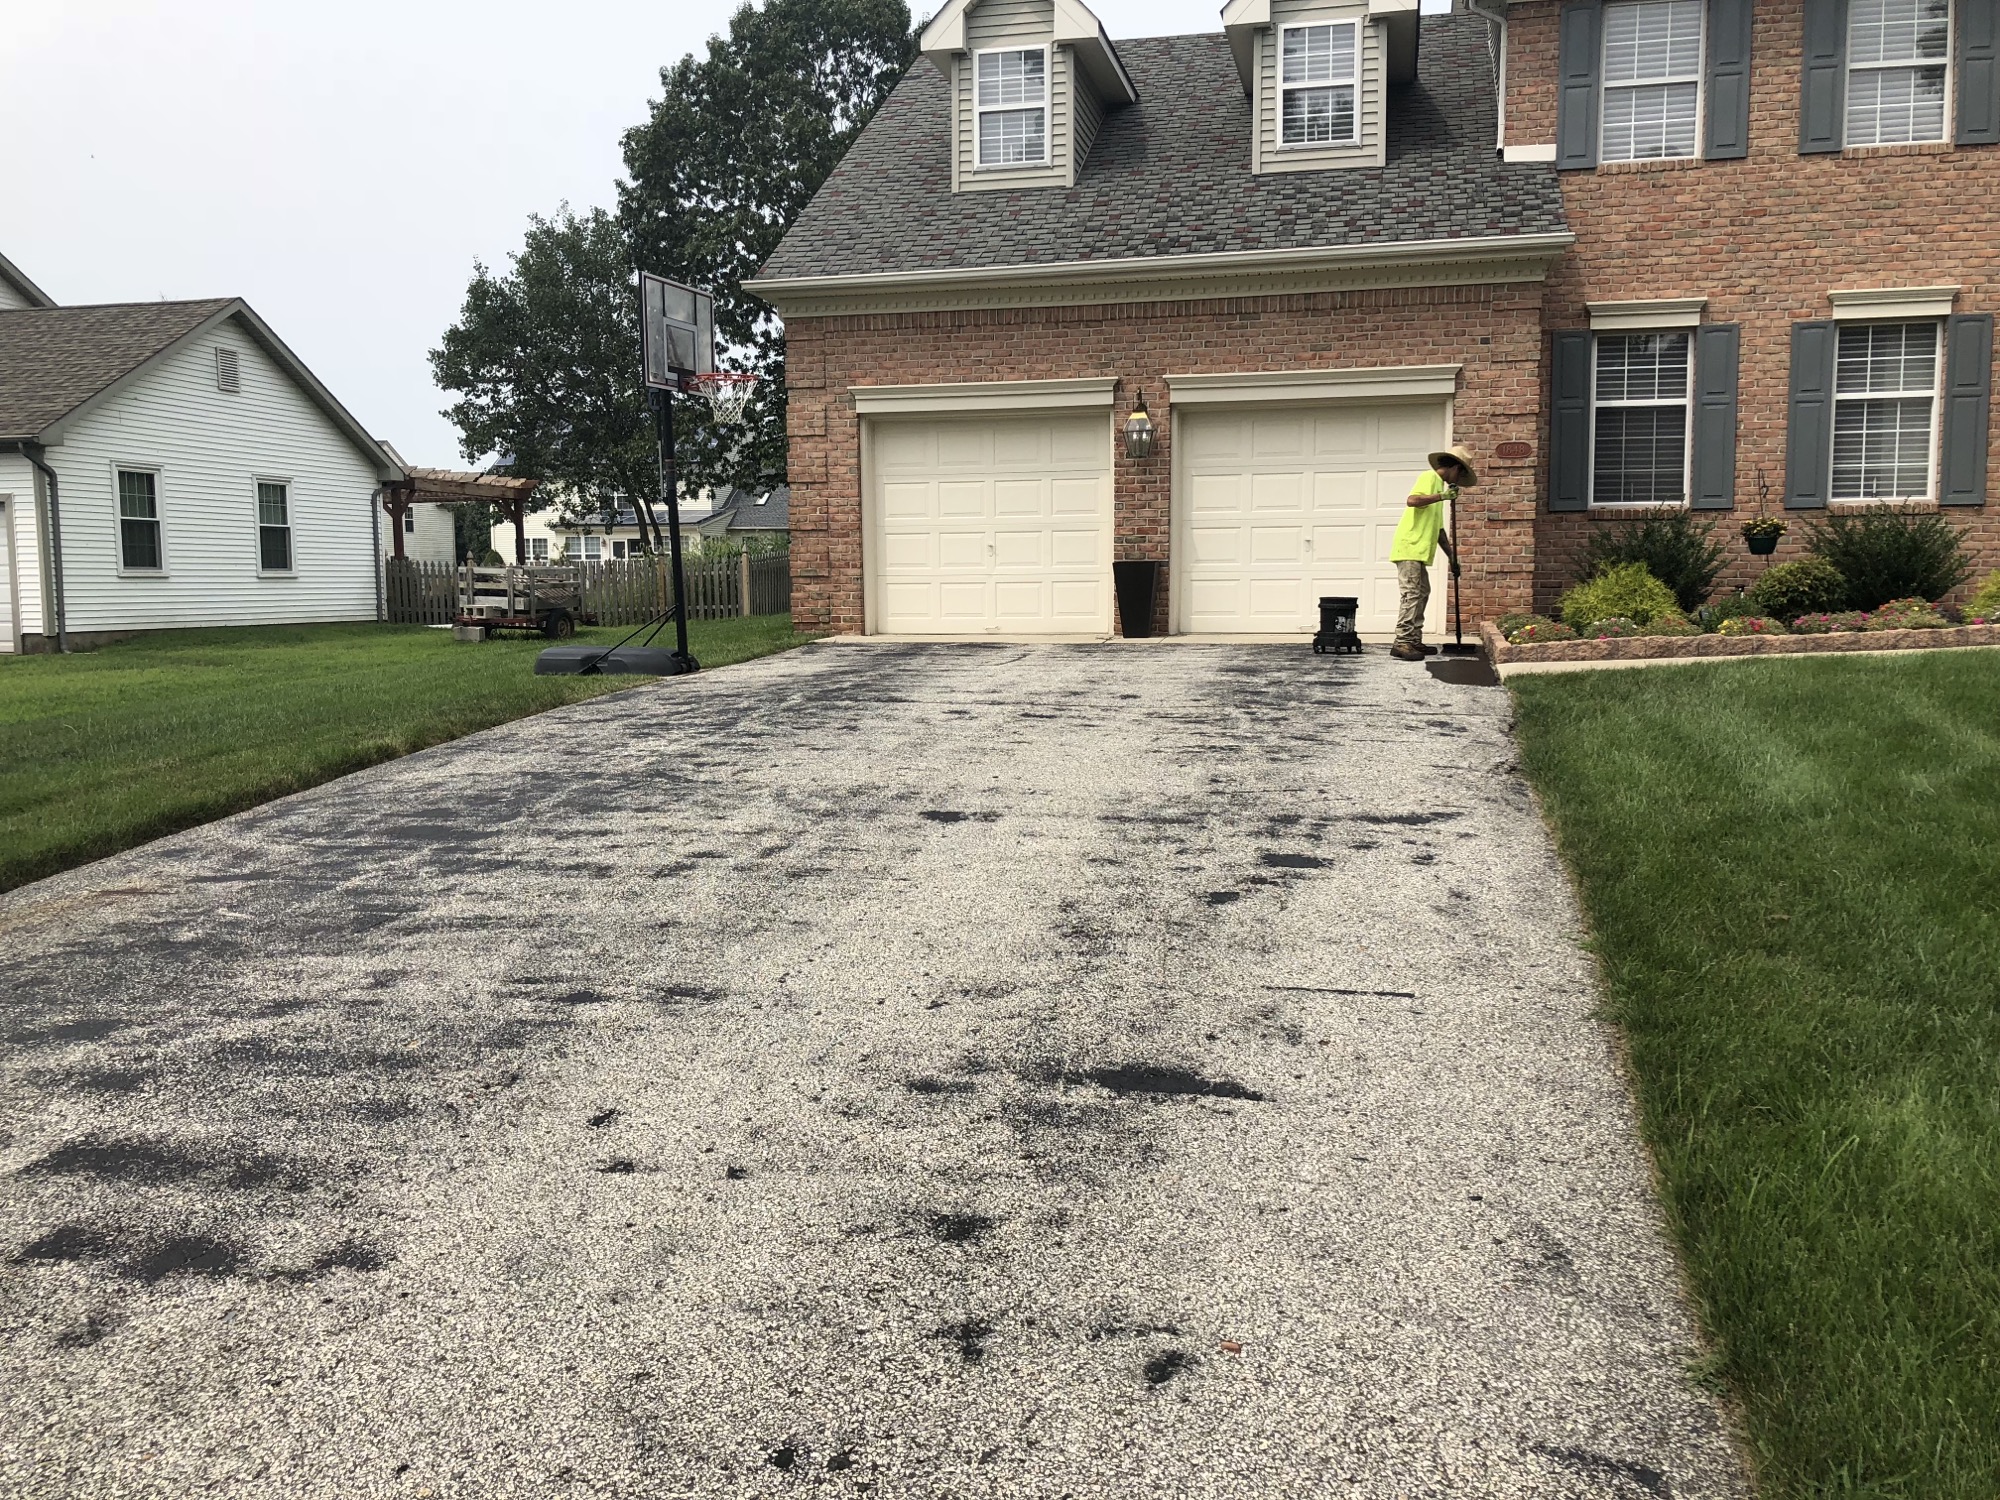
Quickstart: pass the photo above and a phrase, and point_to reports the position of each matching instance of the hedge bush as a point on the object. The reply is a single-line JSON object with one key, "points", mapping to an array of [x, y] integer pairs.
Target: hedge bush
{"points": [[1675, 548], [1810, 586], [1890, 553], [1985, 603], [1624, 589]]}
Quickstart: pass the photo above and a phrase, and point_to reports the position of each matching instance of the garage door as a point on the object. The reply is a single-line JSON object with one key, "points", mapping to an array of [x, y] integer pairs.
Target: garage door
{"points": [[998, 525], [1278, 506]]}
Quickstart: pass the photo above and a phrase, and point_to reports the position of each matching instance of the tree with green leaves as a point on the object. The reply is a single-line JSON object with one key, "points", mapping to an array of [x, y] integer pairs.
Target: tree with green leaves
{"points": [[735, 149], [544, 359]]}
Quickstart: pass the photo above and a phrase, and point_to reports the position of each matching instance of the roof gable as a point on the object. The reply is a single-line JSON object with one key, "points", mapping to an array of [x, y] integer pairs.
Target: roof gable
{"points": [[25, 289]]}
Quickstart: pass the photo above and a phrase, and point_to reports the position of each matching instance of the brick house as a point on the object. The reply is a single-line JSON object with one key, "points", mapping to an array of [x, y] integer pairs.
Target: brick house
{"points": [[1631, 252]]}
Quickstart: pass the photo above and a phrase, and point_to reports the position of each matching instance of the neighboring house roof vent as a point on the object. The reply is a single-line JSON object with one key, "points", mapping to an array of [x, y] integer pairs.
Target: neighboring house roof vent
{"points": [[227, 377]]}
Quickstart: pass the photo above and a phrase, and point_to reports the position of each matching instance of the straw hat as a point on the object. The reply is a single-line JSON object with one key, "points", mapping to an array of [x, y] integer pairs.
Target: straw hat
{"points": [[1460, 457]]}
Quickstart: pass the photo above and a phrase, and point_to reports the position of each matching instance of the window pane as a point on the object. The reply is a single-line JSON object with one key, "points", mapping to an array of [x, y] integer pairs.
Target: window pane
{"points": [[1880, 31], [1642, 367], [1010, 136], [138, 494], [1319, 115], [271, 507], [1881, 449], [1012, 77], [1886, 358], [1641, 455], [1886, 106], [1650, 122], [1319, 54], [1652, 39], [274, 548], [140, 541]]}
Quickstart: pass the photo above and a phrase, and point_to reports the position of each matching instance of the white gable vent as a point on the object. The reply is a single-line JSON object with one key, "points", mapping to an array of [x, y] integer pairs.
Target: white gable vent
{"points": [[226, 376]]}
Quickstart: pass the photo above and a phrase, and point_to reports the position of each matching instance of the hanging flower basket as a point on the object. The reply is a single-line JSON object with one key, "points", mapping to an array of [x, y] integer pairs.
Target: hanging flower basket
{"points": [[1762, 533]]}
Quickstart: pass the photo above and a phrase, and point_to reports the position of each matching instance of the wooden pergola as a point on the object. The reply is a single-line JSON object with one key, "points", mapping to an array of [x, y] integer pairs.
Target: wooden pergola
{"points": [[511, 497]]}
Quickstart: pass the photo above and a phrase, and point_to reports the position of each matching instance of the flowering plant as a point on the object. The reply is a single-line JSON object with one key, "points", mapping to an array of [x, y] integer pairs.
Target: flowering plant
{"points": [[1907, 614], [1750, 625], [1674, 623], [1618, 627], [1763, 526], [1535, 632], [1832, 624]]}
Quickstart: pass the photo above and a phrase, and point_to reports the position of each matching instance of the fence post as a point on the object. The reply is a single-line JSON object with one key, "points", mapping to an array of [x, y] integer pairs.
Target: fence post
{"points": [[743, 587]]}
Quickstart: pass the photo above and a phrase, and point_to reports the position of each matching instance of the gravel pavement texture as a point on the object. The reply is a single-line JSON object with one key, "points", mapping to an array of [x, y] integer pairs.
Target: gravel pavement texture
{"points": [[919, 1070]]}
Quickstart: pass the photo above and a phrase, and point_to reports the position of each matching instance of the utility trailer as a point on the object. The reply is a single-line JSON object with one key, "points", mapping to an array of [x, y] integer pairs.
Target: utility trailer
{"points": [[546, 600]]}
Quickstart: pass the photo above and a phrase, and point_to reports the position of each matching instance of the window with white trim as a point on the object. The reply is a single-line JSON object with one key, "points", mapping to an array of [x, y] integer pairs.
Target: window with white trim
{"points": [[1652, 79], [1897, 53], [1012, 103], [1884, 409], [274, 527], [1318, 84], [139, 549], [587, 549], [1640, 393], [410, 519], [538, 549]]}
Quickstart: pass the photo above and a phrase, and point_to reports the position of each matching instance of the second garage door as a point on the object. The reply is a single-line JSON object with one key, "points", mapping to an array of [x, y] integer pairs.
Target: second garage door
{"points": [[990, 525], [1278, 506]]}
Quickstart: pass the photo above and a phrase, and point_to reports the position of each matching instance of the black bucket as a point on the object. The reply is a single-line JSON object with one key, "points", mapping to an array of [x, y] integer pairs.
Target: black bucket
{"points": [[1138, 584]]}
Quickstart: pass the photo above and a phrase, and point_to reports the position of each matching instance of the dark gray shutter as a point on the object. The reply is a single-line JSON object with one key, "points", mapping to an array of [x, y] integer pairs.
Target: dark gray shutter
{"points": [[1729, 79], [1569, 422], [1978, 25], [1809, 437], [1968, 391], [1712, 485], [1576, 97], [1823, 81]]}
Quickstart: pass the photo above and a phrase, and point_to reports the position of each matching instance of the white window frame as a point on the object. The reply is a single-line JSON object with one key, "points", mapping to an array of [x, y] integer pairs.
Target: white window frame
{"points": [[1946, 104], [981, 111], [1353, 81], [159, 518], [597, 550], [1687, 427], [257, 482], [1935, 394], [1698, 78], [538, 550]]}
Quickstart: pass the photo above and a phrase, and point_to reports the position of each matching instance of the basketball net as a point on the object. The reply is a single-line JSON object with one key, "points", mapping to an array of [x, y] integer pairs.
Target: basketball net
{"points": [[727, 393]]}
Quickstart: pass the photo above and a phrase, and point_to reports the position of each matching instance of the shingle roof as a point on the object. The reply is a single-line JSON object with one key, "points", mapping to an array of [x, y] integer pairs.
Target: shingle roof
{"points": [[53, 359], [1171, 175]]}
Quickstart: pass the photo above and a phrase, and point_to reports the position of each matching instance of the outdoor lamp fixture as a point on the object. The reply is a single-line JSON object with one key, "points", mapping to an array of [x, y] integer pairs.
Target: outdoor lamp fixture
{"points": [[1139, 431]]}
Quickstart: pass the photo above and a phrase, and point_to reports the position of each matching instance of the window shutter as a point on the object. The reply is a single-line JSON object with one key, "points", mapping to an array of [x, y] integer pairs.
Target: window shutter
{"points": [[1809, 437], [1729, 79], [1968, 390], [1712, 485], [1576, 100], [1978, 24], [1569, 422], [1823, 84]]}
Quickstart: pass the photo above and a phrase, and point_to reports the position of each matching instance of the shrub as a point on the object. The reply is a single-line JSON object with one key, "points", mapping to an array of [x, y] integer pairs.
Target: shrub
{"points": [[1891, 553], [1906, 614], [1625, 589], [1618, 627], [1536, 632], [1812, 585], [1750, 625], [1833, 624], [1986, 599], [1675, 623], [1711, 616], [1508, 624], [1678, 550]]}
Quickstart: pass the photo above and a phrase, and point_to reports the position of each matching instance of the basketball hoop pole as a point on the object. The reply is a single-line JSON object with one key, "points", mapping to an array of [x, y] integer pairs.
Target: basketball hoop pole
{"points": [[663, 411]]}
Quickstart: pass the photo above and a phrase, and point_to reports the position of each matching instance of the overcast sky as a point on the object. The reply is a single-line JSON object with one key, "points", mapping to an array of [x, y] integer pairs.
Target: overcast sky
{"points": [[340, 167]]}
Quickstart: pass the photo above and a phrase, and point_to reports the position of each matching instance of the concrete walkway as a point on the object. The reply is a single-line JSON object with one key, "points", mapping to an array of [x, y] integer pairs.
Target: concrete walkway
{"points": [[933, 1071]]}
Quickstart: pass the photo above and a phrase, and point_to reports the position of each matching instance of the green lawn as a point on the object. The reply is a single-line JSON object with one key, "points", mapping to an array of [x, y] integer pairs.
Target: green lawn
{"points": [[1792, 872], [106, 749]]}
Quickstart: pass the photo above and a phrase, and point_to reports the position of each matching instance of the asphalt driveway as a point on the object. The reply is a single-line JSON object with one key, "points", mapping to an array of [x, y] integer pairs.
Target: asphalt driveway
{"points": [[969, 1071]]}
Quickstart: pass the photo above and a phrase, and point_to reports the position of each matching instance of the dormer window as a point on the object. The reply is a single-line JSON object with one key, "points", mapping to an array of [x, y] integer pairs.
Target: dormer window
{"points": [[1013, 107], [1319, 84]]}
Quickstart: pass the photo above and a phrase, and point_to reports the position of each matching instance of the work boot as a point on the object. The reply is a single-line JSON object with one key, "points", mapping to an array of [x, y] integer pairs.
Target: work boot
{"points": [[1404, 651]]}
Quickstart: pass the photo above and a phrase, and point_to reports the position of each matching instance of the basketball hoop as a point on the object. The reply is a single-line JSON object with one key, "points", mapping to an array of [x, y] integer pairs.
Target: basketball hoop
{"points": [[727, 392]]}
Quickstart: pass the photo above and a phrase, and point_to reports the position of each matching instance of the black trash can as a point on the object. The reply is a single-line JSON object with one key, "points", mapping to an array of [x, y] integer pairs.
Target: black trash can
{"points": [[1137, 584], [1336, 625]]}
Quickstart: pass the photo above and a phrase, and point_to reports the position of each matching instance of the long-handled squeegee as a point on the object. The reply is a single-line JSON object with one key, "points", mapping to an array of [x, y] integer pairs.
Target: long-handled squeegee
{"points": [[1458, 646]]}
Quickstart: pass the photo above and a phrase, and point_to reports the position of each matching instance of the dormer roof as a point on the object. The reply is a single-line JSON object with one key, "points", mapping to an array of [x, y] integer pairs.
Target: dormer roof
{"points": [[1401, 20], [33, 295], [1076, 26]]}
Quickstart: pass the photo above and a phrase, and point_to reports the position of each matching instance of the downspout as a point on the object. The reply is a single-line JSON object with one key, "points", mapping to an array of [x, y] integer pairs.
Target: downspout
{"points": [[1498, 40], [33, 453]]}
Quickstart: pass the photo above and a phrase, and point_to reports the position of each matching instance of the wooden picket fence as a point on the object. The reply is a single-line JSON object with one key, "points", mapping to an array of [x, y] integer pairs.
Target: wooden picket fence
{"points": [[615, 593]]}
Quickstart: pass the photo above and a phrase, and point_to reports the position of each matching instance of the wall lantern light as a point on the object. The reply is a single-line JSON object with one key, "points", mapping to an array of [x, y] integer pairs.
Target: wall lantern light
{"points": [[1139, 431]]}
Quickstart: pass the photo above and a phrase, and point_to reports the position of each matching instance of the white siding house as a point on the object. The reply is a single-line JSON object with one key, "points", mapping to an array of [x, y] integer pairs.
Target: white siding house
{"points": [[204, 476]]}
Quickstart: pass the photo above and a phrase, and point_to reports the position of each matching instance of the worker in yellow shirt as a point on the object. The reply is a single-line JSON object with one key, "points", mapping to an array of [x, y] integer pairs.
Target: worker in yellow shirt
{"points": [[1418, 536]]}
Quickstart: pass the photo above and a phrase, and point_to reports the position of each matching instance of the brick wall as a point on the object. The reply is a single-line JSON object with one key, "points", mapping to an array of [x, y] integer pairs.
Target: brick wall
{"points": [[1493, 331], [1764, 239]]}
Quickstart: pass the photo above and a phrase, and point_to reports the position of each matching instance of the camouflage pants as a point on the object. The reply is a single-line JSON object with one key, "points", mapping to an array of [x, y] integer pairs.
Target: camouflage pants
{"points": [[1415, 579]]}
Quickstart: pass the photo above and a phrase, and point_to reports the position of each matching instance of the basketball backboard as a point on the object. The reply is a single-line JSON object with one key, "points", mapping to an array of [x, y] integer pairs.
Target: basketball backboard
{"points": [[677, 326]]}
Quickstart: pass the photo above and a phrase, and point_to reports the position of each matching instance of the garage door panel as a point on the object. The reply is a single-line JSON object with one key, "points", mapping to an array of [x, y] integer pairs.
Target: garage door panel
{"points": [[1275, 509], [985, 524]]}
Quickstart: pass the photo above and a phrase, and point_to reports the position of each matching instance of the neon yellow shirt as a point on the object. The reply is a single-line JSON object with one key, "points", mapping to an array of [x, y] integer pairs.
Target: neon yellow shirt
{"points": [[1417, 533]]}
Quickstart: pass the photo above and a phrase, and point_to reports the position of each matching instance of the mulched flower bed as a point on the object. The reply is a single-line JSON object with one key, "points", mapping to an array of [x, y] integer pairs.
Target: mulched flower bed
{"points": [[1669, 647]]}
